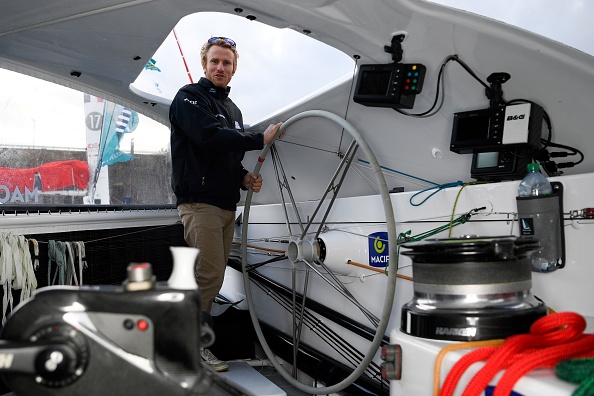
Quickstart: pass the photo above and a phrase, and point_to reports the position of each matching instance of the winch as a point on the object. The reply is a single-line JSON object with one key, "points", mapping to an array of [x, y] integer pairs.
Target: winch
{"points": [[471, 288]]}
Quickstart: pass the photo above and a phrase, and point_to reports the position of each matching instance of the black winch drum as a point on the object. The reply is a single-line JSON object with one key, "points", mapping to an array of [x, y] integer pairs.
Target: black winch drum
{"points": [[471, 288]]}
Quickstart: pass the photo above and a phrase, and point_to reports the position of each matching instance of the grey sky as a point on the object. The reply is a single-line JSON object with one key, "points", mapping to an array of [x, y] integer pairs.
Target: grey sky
{"points": [[567, 21], [275, 68]]}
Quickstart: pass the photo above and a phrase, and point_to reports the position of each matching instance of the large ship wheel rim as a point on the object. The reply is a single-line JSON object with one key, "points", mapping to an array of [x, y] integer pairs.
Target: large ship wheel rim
{"points": [[392, 268]]}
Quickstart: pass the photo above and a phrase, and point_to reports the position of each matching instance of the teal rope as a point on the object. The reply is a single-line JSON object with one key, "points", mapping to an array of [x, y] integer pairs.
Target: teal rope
{"points": [[578, 371], [437, 188], [401, 173], [57, 253]]}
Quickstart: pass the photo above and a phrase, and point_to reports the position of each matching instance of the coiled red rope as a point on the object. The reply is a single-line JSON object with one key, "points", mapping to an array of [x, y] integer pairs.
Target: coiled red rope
{"points": [[552, 338]]}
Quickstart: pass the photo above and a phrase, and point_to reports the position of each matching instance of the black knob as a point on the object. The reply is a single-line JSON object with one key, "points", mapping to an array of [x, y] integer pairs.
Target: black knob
{"points": [[65, 357], [56, 363]]}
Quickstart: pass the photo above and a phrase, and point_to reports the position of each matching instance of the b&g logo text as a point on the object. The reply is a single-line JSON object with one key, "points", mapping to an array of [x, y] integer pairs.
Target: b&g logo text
{"points": [[516, 117]]}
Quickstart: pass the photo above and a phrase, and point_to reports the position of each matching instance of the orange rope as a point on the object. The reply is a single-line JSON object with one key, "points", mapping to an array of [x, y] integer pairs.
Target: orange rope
{"points": [[261, 248], [455, 347], [380, 270]]}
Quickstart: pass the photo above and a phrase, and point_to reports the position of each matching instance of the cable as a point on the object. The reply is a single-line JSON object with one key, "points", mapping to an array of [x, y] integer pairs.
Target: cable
{"points": [[346, 112], [437, 90], [456, 204], [574, 151], [400, 173], [429, 113], [437, 188]]}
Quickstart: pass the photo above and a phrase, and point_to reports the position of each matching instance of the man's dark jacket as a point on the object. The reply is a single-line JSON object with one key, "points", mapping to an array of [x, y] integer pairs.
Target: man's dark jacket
{"points": [[207, 145]]}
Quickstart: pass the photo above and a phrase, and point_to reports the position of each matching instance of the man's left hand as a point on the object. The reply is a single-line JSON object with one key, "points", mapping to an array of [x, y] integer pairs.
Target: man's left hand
{"points": [[252, 181]]}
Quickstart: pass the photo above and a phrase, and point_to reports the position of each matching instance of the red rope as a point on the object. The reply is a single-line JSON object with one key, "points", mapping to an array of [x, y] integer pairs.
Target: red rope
{"points": [[478, 355], [549, 357], [552, 338]]}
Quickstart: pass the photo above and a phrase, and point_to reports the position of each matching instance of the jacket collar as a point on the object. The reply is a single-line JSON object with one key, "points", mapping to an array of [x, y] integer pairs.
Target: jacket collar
{"points": [[217, 92]]}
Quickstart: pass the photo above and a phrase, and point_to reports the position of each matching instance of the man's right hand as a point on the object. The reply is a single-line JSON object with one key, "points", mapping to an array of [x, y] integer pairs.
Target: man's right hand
{"points": [[270, 132]]}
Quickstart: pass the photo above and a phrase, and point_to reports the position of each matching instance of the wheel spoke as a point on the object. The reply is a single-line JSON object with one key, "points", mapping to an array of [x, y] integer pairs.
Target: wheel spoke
{"points": [[346, 159], [298, 321], [284, 185], [334, 187], [345, 292]]}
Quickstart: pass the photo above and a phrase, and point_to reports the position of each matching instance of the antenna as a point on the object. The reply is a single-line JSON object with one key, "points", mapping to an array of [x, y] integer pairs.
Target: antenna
{"points": [[183, 57], [396, 47], [495, 93]]}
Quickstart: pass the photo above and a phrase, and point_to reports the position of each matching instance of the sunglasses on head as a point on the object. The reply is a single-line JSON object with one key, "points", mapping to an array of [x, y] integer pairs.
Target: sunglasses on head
{"points": [[225, 39]]}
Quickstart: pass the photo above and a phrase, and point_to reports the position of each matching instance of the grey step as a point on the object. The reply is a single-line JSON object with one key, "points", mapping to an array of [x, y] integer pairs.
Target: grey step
{"points": [[249, 378]]}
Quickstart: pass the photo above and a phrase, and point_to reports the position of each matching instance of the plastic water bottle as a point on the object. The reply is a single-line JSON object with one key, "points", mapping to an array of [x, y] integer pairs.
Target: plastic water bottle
{"points": [[534, 183]]}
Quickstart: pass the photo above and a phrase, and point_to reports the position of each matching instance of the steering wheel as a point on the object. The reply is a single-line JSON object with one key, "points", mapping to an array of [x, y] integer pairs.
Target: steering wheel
{"points": [[297, 252]]}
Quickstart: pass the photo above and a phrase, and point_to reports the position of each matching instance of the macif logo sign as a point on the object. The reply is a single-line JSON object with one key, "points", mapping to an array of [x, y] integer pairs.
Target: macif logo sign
{"points": [[378, 249]]}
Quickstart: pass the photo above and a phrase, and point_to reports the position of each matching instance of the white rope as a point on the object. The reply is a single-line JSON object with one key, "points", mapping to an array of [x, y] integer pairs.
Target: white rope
{"points": [[17, 260], [70, 270], [29, 279], [82, 263], [16, 270], [5, 273], [35, 245]]}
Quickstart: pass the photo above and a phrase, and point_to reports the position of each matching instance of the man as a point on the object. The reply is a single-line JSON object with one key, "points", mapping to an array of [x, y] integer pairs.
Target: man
{"points": [[208, 143]]}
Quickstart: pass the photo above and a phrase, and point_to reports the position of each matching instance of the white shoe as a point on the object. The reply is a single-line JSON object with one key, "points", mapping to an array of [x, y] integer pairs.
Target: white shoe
{"points": [[212, 361]]}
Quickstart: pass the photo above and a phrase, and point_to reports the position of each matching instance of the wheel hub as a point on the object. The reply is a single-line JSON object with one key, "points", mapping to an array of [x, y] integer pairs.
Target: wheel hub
{"points": [[302, 250]]}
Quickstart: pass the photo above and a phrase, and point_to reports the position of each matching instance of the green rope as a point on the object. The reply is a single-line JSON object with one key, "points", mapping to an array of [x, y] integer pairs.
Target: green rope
{"points": [[578, 371], [404, 237]]}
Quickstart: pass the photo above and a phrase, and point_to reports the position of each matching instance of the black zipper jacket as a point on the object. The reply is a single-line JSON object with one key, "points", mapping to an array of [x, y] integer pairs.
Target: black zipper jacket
{"points": [[208, 143]]}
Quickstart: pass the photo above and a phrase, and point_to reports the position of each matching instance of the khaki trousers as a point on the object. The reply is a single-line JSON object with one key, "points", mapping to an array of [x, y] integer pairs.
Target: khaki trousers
{"points": [[210, 229]]}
